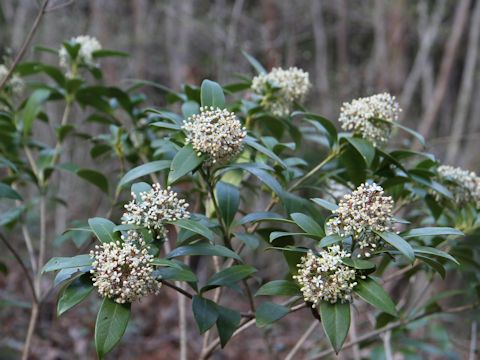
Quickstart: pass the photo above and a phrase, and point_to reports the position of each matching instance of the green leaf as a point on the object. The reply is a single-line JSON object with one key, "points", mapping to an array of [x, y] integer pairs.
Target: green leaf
{"points": [[58, 263], [325, 204], [74, 293], [190, 108], [104, 229], [279, 234], [252, 241], [263, 216], [335, 322], [269, 312], [398, 243], [323, 122], [32, 108], [371, 292], [227, 322], [112, 321], [195, 227], [142, 170], [185, 160], [431, 231], [229, 276], [94, 177], [175, 273], [358, 263], [109, 53], [364, 148], [205, 313], [255, 63], [212, 94], [307, 224], [205, 249], [436, 252], [8, 193], [262, 175], [330, 239], [279, 288], [228, 197], [260, 148]]}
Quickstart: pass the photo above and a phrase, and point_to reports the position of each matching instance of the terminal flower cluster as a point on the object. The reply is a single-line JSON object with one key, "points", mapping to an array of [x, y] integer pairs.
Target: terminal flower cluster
{"points": [[464, 184], [88, 45]]}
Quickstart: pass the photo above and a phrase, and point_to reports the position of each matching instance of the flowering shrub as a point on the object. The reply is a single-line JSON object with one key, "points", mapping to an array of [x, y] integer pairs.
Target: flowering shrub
{"points": [[226, 156]]}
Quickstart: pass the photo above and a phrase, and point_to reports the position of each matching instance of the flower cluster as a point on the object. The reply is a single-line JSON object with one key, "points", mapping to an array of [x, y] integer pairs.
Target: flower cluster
{"points": [[464, 184], [123, 271], [371, 117], [215, 133], [15, 84], [325, 277], [362, 213], [88, 45], [155, 207], [289, 85]]}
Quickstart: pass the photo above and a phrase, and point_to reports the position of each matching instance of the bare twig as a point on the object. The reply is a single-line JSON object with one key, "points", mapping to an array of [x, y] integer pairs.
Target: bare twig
{"points": [[25, 44], [179, 289], [301, 341], [59, 6], [472, 355]]}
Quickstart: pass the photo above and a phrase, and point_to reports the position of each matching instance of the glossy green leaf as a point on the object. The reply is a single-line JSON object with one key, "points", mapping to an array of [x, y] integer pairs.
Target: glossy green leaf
{"points": [[94, 177], [229, 276], [205, 312], [325, 204], [227, 322], [190, 108], [33, 107], [112, 321], [279, 288], [335, 322], [331, 239], [307, 224], [205, 249], [212, 94], [262, 149], [185, 161], [228, 197], [398, 243], [8, 193], [364, 148], [104, 229], [58, 263], [74, 293], [252, 241], [175, 273], [371, 292], [255, 63], [142, 170], [268, 312], [436, 252], [195, 227], [431, 231]]}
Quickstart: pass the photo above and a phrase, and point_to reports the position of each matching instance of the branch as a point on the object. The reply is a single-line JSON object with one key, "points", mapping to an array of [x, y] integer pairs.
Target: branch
{"points": [[25, 44]]}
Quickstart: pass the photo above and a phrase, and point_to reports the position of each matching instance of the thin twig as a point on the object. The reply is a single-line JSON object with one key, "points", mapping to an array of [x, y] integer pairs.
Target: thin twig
{"points": [[473, 342], [24, 268], [59, 6], [301, 341], [179, 289], [25, 44]]}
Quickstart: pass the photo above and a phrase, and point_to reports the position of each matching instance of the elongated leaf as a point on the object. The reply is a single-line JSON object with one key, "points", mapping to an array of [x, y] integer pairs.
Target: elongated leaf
{"points": [[32, 108], [431, 231], [227, 322], [109, 53], [104, 229], [228, 197], [190, 108], [307, 224], [325, 204], [398, 243], [142, 170], [325, 123], [279, 234], [58, 263], [279, 288], [175, 273], [262, 175], [212, 94], [364, 148], [252, 241], [74, 293], [204, 249], [94, 177], [205, 313], [260, 148], [8, 193], [112, 321], [436, 252], [330, 239], [335, 322], [370, 291], [269, 312], [255, 63], [263, 216], [229, 276], [358, 263], [166, 125], [195, 227], [185, 160]]}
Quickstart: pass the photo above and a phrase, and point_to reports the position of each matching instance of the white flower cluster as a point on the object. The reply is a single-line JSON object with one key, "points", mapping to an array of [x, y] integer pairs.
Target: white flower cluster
{"points": [[466, 187], [156, 207], [123, 271], [361, 117], [360, 214], [291, 84], [216, 133], [88, 45], [325, 277], [15, 84]]}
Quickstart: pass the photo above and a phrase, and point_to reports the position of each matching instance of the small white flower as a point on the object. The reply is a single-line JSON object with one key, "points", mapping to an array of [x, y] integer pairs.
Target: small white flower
{"points": [[155, 207], [361, 116], [15, 84], [215, 133], [291, 85], [123, 271], [88, 45], [362, 213], [464, 184], [324, 277]]}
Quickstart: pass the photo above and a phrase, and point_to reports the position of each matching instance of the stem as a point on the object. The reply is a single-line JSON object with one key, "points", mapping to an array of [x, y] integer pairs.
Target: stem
{"points": [[31, 329], [177, 288], [301, 341], [43, 240], [25, 44], [66, 113]]}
